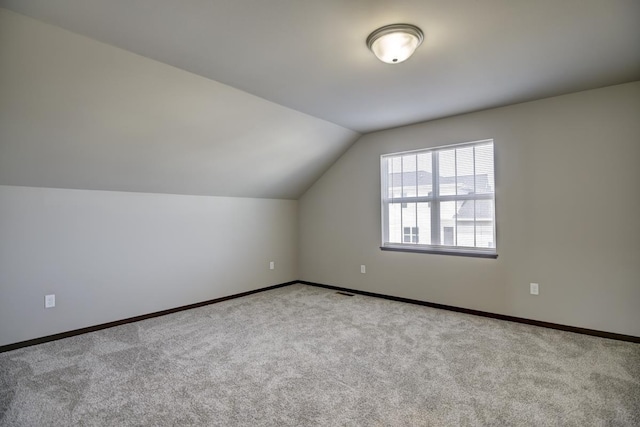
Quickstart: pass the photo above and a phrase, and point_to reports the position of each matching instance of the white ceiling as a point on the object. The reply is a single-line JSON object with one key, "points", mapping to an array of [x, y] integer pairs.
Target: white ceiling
{"points": [[311, 55]]}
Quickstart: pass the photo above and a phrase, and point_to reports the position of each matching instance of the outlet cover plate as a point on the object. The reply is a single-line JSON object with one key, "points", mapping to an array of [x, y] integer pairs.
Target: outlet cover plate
{"points": [[534, 288], [49, 301]]}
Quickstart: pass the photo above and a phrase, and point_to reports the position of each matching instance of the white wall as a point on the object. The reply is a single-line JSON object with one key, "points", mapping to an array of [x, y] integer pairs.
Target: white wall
{"points": [[567, 207], [112, 255]]}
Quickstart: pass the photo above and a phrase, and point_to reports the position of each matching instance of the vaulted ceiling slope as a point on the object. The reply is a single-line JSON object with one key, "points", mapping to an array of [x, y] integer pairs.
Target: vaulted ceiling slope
{"points": [[257, 98], [311, 55], [77, 113]]}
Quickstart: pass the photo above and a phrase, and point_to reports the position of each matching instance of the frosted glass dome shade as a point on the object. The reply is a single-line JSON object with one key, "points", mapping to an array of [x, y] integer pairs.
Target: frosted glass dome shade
{"points": [[395, 43]]}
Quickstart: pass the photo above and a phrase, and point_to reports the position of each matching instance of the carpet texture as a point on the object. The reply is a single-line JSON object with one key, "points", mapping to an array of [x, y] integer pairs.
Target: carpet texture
{"points": [[303, 356]]}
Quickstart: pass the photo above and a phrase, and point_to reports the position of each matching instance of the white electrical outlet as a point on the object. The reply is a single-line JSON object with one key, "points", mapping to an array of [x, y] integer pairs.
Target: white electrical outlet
{"points": [[534, 288], [363, 269], [49, 301], [272, 265]]}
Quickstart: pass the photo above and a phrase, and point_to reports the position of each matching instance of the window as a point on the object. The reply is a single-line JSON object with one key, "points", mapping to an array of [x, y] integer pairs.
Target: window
{"points": [[447, 238], [410, 235], [446, 194]]}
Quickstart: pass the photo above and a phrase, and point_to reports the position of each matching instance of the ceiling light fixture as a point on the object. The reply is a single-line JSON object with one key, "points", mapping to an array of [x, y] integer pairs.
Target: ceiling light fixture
{"points": [[395, 43]]}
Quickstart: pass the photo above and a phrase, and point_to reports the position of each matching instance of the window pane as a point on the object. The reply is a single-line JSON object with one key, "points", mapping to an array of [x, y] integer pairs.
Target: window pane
{"points": [[448, 236], [395, 221], [484, 234], [424, 174], [484, 169], [465, 229], [447, 175], [464, 165], [424, 223], [447, 220], [484, 224], [395, 177], [409, 222], [409, 175]]}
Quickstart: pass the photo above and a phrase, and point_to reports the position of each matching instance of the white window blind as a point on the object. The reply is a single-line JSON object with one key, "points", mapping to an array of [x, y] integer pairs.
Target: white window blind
{"points": [[440, 200]]}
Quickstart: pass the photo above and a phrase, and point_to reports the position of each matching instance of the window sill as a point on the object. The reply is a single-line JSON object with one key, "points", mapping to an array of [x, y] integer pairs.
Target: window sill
{"points": [[454, 252]]}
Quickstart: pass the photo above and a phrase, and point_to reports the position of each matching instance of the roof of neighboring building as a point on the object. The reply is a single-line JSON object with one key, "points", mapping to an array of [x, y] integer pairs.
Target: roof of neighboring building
{"points": [[408, 179], [483, 209]]}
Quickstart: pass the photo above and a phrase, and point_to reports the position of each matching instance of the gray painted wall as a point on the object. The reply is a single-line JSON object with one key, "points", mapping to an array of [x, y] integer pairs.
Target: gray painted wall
{"points": [[76, 113], [567, 211], [112, 255]]}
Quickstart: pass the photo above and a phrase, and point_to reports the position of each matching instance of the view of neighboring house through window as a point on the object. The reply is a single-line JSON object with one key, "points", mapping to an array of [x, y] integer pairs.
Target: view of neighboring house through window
{"points": [[410, 234], [440, 199]]}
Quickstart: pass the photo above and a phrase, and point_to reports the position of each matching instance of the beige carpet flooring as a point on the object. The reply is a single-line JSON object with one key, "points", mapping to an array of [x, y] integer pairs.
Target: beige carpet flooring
{"points": [[306, 356]]}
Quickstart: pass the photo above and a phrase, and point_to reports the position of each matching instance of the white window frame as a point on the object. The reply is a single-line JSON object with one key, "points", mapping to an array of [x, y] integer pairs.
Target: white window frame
{"points": [[435, 199]]}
